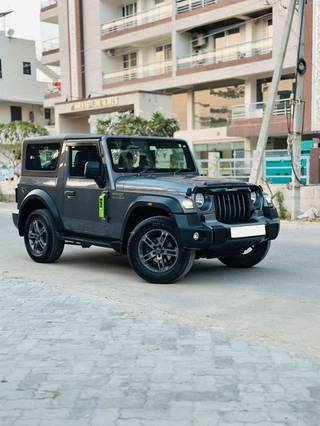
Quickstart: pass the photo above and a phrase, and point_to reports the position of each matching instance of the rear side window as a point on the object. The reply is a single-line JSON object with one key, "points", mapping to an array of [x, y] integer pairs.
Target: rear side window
{"points": [[42, 157]]}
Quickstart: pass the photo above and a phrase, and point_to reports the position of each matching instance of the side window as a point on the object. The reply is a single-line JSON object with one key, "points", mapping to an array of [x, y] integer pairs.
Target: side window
{"points": [[42, 157], [79, 156]]}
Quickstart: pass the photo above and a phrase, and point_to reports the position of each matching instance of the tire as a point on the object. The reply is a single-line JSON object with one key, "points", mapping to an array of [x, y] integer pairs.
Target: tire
{"points": [[248, 260], [155, 252], [40, 237]]}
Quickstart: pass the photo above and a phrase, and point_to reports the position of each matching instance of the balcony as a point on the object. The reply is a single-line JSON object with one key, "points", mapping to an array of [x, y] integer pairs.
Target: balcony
{"points": [[133, 21], [257, 110], [246, 119], [184, 6], [227, 54], [48, 4], [50, 46], [157, 69]]}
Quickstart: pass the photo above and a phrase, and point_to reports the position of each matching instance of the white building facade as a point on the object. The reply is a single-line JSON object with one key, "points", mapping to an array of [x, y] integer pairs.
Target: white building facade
{"points": [[21, 95], [209, 63]]}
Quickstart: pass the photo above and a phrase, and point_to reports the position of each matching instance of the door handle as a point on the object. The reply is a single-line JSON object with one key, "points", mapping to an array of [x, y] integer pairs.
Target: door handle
{"points": [[70, 194]]}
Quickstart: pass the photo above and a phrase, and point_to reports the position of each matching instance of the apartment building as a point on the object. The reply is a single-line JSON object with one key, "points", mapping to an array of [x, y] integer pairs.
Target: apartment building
{"points": [[21, 95], [207, 62]]}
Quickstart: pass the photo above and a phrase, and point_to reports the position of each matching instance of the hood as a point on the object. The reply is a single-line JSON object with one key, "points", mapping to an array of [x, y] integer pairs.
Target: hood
{"points": [[170, 183]]}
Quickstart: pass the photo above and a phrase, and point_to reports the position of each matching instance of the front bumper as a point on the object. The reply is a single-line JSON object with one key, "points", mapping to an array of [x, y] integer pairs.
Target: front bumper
{"points": [[15, 218], [216, 236]]}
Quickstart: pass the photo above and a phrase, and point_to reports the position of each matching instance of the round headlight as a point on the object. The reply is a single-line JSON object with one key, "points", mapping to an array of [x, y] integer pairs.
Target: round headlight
{"points": [[200, 200], [203, 201], [253, 197], [267, 200]]}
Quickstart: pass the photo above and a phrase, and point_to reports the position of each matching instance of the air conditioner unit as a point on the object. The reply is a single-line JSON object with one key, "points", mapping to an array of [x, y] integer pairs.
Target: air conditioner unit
{"points": [[111, 52], [199, 40]]}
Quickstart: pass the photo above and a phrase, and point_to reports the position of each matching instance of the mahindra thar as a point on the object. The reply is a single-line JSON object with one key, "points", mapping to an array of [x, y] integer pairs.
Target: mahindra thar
{"points": [[140, 196]]}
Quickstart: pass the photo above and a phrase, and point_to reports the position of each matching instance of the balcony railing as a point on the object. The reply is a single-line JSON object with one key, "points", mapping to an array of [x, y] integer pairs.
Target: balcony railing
{"points": [[189, 5], [150, 70], [47, 3], [257, 110], [231, 53], [49, 45], [152, 15]]}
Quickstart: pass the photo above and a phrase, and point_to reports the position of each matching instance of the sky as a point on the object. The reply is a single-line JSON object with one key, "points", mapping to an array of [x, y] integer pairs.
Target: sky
{"points": [[25, 20]]}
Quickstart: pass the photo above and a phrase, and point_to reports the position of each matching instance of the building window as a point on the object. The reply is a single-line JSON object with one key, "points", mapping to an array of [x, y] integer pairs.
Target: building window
{"points": [[27, 68], [16, 113], [270, 28], [227, 38], [0, 68], [129, 10], [285, 88], [164, 53], [213, 107], [130, 62]]}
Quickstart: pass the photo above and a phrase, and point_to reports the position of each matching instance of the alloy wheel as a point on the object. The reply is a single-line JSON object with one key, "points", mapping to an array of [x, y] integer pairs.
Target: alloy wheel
{"points": [[158, 250], [38, 237]]}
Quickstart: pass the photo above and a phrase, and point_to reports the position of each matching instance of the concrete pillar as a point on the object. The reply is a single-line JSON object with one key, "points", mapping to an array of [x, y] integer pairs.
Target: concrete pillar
{"points": [[190, 110], [174, 39], [250, 95], [213, 164], [249, 31]]}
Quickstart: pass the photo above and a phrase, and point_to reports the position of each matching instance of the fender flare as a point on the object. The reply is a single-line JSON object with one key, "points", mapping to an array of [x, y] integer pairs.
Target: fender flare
{"points": [[168, 204], [46, 200]]}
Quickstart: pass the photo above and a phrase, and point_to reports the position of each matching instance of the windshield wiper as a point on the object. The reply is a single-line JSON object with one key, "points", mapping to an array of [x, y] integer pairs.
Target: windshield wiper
{"points": [[182, 170], [145, 170]]}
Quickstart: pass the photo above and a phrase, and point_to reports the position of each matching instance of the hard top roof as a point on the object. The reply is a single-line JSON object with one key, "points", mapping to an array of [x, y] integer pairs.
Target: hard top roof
{"points": [[85, 137], [62, 137]]}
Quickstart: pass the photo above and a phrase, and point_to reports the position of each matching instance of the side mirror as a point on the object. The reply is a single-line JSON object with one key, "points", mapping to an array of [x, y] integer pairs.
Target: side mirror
{"points": [[93, 170]]}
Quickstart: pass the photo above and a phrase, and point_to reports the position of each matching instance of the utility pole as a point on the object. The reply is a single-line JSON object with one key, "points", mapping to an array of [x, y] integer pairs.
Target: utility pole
{"points": [[264, 132], [294, 140]]}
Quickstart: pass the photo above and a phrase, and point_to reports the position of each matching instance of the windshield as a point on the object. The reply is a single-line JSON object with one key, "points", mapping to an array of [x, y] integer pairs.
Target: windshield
{"points": [[136, 155]]}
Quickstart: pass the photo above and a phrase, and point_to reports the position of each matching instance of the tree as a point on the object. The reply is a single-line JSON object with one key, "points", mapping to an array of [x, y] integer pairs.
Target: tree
{"points": [[131, 125], [11, 137]]}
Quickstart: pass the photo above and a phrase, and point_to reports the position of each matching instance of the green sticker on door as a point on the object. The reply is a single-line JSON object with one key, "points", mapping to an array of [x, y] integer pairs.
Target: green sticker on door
{"points": [[102, 206]]}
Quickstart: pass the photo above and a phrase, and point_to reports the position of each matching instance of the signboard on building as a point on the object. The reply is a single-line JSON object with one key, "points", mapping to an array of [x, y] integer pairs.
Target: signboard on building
{"points": [[96, 103]]}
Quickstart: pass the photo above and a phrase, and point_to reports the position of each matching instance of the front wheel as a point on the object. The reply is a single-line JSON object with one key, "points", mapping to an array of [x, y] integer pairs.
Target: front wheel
{"points": [[249, 258], [40, 237], [155, 253]]}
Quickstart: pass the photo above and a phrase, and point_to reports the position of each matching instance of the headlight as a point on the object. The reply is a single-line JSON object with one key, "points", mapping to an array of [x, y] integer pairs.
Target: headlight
{"points": [[187, 204], [203, 201], [200, 200], [253, 197], [267, 200]]}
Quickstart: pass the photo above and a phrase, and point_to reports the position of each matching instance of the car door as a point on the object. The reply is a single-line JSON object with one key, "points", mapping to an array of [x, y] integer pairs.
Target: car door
{"points": [[81, 195]]}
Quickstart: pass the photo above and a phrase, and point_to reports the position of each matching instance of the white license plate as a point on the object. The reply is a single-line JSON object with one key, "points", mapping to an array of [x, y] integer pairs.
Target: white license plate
{"points": [[248, 231]]}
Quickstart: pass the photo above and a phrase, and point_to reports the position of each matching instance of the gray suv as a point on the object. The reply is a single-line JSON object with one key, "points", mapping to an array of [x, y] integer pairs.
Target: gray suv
{"points": [[140, 196]]}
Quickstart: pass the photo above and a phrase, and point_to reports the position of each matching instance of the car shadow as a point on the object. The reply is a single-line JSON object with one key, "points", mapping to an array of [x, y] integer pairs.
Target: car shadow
{"points": [[204, 272]]}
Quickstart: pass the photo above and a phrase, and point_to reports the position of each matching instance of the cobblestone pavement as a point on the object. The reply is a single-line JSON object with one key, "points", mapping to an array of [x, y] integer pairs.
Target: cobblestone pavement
{"points": [[72, 359]]}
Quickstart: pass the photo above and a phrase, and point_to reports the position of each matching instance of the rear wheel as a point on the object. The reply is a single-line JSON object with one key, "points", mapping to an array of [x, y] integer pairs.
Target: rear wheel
{"points": [[155, 252], [40, 237], [249, 258]]}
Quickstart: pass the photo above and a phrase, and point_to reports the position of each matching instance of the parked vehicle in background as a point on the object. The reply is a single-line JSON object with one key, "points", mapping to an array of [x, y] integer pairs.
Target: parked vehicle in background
{"points": [[142, 197]]}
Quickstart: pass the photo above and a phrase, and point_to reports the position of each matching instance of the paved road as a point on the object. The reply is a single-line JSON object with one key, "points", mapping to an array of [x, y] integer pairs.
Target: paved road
{"points": [[69, 359], [85, 342], [277, 302]]}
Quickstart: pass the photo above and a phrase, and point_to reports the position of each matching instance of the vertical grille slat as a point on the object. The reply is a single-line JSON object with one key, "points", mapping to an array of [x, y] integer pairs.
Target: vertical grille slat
{"points": [[232, 207]]}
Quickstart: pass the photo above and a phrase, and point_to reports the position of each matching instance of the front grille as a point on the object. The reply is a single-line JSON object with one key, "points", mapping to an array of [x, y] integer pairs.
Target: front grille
{"points": [[232, 207]]}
